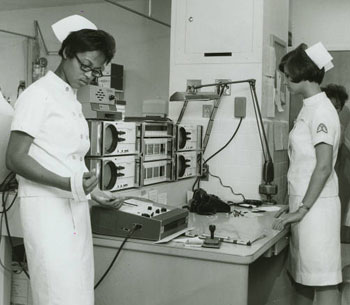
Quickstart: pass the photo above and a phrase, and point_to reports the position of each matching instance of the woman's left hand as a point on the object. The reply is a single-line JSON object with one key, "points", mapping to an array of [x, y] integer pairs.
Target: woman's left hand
{"points": [[107, 198], [288, 218]]}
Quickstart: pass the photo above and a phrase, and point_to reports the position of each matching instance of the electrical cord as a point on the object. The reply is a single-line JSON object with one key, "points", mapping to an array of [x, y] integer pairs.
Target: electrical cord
{"points": [[227, 143], [11, 242], [197, 181], [131, 232], [226, 186], [1, 263], [7, 185]]}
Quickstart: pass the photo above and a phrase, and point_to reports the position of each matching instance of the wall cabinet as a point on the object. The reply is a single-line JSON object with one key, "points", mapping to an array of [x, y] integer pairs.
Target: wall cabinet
{"points": [[211, 31]]}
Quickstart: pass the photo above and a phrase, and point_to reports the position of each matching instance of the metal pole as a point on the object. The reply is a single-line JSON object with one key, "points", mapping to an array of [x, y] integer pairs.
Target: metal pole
{"points": [[138, 13], [38, 30], [149, 8], [18, 34], [223, 83]]}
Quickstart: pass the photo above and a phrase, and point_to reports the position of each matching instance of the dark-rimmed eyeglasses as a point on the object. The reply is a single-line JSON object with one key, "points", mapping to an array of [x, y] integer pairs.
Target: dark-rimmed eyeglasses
{"points": [[95, 72]]}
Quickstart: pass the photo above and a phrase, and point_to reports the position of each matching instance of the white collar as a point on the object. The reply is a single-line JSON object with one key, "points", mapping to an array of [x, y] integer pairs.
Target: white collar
{"points": [[55, 80], [315, 99]]}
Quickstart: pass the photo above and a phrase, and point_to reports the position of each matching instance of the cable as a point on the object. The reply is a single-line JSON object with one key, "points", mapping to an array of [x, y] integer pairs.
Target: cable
{"points": [[131, 232], [5, 188], [227, 143], [217, 152], [10, 239], [1, 263], [226, 186]]}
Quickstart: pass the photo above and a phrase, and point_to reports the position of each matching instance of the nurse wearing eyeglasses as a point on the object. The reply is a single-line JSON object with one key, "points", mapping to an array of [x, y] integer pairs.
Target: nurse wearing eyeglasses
{"points": [[49, 139], [314, 205]]}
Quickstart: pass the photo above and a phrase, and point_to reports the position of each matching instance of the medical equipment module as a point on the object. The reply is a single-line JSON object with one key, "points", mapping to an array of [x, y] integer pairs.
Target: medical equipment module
{"points": [[188, 164], [152, 172], [101, 103], [157, 220], [114, 173], [188, 137], [111, 138]]}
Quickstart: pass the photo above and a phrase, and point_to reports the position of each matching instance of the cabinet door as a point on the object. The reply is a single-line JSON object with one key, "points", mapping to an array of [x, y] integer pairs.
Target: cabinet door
{"points": [[217, 31]]}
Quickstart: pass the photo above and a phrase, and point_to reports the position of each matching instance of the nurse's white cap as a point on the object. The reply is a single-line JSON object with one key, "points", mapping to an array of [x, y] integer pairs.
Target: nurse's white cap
{"points": [[320, 56], [65, 26]]}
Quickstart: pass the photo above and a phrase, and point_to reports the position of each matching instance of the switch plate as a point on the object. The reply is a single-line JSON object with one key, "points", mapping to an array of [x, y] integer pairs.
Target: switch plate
{"points": [[240, 106], [205, 173], [206, 111], [227, 91], [193, 82]]}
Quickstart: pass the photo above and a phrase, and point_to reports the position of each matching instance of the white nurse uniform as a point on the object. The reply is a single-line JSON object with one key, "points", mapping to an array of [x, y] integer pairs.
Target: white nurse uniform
{"points": [[315, 256], [57, 231]]}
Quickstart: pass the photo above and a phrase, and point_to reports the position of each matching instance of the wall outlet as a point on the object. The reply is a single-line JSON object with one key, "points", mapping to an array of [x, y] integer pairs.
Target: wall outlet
{"points": [[227, 91], [206, 111], [205, 173]]}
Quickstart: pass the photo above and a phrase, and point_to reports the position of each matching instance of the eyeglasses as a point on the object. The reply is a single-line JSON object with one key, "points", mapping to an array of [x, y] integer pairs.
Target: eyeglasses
{"points": [[86, 68]]}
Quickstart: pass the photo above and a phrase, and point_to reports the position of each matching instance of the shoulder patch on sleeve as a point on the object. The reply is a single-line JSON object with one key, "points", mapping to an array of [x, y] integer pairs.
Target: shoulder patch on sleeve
{"points": [[322, 128]]}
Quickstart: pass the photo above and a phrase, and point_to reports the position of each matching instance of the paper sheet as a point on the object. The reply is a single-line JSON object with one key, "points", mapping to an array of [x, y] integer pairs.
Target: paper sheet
{"points": [[269, 209], [163, 198], [269, 60], [279, 93], [285, 127], [153, 195], [278, 135], [172, 236], [269, 96]]}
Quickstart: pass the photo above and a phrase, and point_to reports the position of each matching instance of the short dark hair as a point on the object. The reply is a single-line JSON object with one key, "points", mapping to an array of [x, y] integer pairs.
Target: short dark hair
{"points": [[88, 40], [337, 92], [300, 66]]}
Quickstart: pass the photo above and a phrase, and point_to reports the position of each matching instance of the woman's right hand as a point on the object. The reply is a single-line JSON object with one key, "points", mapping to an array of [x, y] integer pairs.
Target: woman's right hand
{"points": [[282, 211], [90, 181]]}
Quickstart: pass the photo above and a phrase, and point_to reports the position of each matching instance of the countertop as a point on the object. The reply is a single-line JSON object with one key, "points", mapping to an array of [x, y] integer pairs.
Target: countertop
{"points": [[249, 225]]}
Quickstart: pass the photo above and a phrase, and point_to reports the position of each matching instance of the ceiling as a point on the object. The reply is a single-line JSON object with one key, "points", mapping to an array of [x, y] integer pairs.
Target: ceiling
{"points": [[6, 5]]}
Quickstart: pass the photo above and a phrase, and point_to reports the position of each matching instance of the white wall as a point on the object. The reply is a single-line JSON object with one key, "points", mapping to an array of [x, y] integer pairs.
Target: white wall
{"points": [[143, 47], [240, 164], [321, 20]]}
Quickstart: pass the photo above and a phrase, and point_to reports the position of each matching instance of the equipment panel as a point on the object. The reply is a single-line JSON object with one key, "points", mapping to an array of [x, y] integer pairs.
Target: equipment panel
{"points": [[188, 164], [111, 138], [114, 173], [188, 137]]}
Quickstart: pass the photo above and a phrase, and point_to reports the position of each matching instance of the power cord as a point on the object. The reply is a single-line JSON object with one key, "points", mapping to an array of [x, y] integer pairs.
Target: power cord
{"points": [[227, 186], [1, 263], [197, 181], [134, 228], [227, 143], [9, 184]]}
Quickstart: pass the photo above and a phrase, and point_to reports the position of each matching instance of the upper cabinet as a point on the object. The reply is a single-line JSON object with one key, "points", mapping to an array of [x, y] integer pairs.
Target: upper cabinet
{"points": [[217, 31]]}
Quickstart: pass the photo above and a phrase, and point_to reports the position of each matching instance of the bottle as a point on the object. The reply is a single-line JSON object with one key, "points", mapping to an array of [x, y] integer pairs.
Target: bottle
{"points": [[36, 70], [21, 87]]}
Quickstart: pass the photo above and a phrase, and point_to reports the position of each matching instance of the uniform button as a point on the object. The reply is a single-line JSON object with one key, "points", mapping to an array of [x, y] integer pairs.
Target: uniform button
{"points": [[73, 157], [67, 89]]}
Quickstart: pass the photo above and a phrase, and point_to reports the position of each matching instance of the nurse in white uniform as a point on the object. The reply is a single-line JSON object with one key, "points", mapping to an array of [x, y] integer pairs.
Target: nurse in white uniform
{"points": [[314, 206], [49, 139]]}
